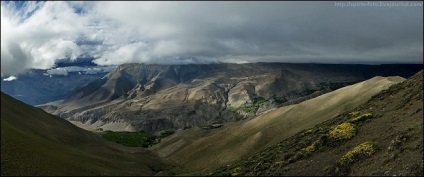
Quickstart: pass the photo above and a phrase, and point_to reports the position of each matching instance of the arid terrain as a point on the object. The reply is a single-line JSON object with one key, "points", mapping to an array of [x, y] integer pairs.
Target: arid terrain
{"points": [[211, 88], [391, 122], [373, 127], [34, 142], [198, 149], [154, 98]]}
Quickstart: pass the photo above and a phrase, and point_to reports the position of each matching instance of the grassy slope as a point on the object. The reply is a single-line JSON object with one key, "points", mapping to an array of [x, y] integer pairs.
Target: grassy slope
{"points": [[396, 130], [202, 150], [36, 143]]}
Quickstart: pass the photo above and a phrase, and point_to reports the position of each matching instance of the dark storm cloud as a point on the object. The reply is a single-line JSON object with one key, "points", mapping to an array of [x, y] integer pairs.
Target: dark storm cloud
{"points": [[202, 32]]}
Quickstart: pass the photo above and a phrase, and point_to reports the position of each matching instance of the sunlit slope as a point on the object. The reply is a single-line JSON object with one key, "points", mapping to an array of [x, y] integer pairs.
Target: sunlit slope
{"points": [[387, 140], [36, 143], [198, 149]]}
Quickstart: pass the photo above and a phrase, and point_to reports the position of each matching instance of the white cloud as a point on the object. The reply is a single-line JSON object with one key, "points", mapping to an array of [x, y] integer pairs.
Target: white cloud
{"points": [[86, 70], [11, 78], [57, 71], [127, 53], [39, 33], [38, 40]]}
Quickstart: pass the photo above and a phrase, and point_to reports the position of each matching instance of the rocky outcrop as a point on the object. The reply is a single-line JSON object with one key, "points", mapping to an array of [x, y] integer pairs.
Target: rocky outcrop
{"points": [[158, 97]]}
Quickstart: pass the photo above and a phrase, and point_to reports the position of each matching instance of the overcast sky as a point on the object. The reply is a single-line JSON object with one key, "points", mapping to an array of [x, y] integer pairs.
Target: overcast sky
{"points": [[35, 35]]}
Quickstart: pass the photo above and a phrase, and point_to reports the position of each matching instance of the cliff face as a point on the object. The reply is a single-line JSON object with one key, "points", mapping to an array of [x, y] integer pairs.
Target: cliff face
{"points": [[156, 97]]}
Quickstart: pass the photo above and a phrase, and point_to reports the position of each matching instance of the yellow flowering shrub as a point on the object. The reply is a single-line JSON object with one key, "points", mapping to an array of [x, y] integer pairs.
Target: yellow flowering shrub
{"points": [[280, 163], [361, 151], [361, 117], [354, 114], [312, 147], [343, 131]]}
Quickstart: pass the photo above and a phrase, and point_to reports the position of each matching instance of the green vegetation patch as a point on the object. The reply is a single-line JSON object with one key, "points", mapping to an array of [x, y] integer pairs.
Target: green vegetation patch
{"points": [[131, 139], [257, 102], [343, 131], [231, 109], [361, 151], [166, 133], [260, 101], [248, 109]]}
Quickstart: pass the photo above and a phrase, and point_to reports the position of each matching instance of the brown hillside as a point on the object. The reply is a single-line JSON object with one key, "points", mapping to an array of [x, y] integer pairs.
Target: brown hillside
{"points": [[387, 139], [36, 143], [198, 149]]}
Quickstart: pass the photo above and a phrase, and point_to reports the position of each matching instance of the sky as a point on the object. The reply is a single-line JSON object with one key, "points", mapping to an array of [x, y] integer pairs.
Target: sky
{"points": [[38, 34]]}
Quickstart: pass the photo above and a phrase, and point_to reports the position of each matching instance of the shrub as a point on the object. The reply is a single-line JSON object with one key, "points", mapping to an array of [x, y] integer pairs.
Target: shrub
{"points": [[361, 117], [248, 109], [343, 131], [307, 131], [361, 151], [354, 114], [280, 163], [231, 109], [236, 171], [260, 101], [257, 102], [312, 147]]}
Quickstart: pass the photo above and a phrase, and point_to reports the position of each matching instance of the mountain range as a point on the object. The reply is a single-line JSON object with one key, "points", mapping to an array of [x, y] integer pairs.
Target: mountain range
{"points": [[372, 127], [154, 98]]}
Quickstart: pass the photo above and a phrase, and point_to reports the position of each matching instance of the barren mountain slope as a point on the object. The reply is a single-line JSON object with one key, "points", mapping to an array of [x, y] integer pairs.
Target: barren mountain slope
{"points": [[383, 136], [199, 150], [36, 143], [158, 97]]}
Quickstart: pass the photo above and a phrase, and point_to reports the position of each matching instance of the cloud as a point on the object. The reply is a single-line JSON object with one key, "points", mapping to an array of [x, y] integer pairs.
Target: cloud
{"points": [[38, 34], [86, 70], [11, 78], [57, 71]]}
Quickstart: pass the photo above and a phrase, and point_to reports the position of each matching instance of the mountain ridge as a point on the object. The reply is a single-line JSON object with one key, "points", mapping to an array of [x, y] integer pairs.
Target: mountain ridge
{"points": [[387, 140], [133, 93], [198, 149]]}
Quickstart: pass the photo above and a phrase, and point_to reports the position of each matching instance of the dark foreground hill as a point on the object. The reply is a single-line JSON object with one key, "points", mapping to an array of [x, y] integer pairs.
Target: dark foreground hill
{"points": [[383, 136], [36, 143]]}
